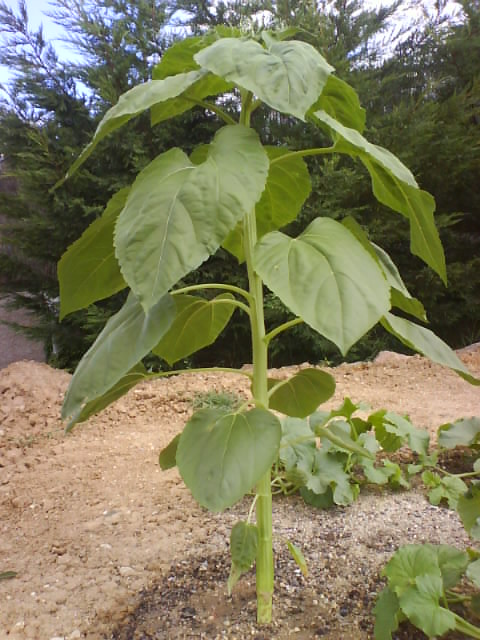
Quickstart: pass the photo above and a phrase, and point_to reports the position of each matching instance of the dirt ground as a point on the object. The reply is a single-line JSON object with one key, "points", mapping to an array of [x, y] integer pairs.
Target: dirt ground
{"points": [[107, 546]]}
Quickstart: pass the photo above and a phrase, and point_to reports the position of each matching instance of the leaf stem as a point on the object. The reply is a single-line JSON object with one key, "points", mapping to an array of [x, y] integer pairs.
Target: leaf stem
{"points": [[465, 627], [234, 303], [468, 474], [283, 327], [213, 107], [304, 152], [223, 287]]}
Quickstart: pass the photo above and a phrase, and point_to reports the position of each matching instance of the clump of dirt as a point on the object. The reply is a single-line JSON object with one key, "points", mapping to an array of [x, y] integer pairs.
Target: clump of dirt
{"points": [[105, 545]]}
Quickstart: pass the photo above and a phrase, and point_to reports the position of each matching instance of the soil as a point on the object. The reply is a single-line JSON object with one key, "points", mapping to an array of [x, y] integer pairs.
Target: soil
{"points": [[106, 546]]}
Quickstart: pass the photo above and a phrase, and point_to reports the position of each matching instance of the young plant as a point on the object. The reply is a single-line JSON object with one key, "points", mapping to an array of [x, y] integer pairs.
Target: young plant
{"points": [[237, 193]]}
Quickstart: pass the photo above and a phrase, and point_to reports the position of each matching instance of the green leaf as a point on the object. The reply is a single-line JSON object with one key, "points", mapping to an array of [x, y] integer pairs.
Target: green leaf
{"points": [[288, 76], [137, 374], [452, 562], [418, 439], [88, 271], [338, 433], [222, 456], [178, 58], [288, 186], [420, 603], [168, 456], [399, 294], [297, 443], [448, 488], [473, 572], [206, 85], [327, 278], [376, 475], [328, 471], [464, 432], [340, 101], [409, 562], [468, 508], [243, 549], [301, 394], [394, 185], [299, 558], [318, 500], [386, 611], [395, 474], [134, 102], [178, 214], [126, 338], [427, 343], [197, 324]]}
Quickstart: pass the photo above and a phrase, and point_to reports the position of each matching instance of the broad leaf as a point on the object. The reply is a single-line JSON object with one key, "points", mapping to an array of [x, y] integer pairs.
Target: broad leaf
{"points": [[178, 58], [327, 471], [391, 423], [288, 76], [468, 508], [394, 185], [134, 102], [178, 214], [421, 604], [88, 271], [288, 186], [340, 101], [449, 488], [301, 394], [409, 562], [452, 562], [168, 456], [386, 610], [399, 294], [298, 442], [137, 374], [222, 456], [427, 343], [318, 500], [464, 432], [197, 324], [126, 338], [327, 278]]}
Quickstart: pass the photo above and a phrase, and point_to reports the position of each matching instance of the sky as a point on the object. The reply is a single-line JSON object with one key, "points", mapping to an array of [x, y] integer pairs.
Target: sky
{"points": [[37, 8]]}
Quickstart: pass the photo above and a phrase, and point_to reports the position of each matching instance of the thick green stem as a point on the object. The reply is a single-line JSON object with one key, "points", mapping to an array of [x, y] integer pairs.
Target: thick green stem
{"points": [[264, 561]]}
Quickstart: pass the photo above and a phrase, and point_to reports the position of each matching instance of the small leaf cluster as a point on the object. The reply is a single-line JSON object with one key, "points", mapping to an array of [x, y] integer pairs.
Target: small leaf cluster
{"points": [[427, 584], [330, 455]]}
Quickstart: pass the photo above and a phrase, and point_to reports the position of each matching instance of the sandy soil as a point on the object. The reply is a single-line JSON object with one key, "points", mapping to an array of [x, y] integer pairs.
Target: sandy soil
{"points": [[106, 545]]}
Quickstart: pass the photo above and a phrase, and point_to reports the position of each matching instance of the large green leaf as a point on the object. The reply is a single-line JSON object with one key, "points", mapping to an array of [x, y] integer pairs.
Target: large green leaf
{"points": [[464, 432], [399, 295], [327, 278], [288, 186], [409, 562], [88, 270], [393, 430], [197, 324], [421, 604], [427, 343], [394, 185], [178, 213], [134, 102], [341, 101], [301, 394], [137, 374], [178, 58], [288, 76], [126, 338], [222, 456]]}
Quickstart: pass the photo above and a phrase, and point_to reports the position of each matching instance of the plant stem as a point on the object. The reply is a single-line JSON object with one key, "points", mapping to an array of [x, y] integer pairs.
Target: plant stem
{"points": [[468, 474], [264, 561], [465, 627], [318, 151], [283, 327], [223, 287], [214, 108]]}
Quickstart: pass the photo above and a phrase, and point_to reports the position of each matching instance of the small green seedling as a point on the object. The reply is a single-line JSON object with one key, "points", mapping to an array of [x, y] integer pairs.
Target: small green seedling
{"points": [[237, 193]]}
